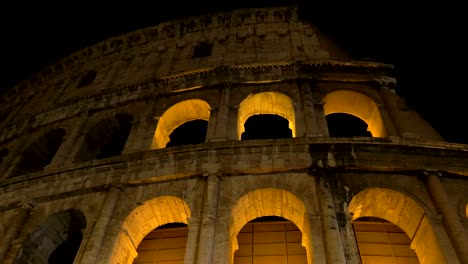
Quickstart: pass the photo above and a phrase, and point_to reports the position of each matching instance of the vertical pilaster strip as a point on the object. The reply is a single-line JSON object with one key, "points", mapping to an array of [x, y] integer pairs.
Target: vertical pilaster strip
{"points": [[93, 247], [208, 221], [331, 233], [16, 223], [450, 217], [221, 131], [312, 127]]}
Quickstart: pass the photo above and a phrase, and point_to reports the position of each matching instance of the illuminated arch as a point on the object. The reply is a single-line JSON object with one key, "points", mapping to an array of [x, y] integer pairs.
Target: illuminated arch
{"points": [[142, 220], [357, 104], [466, 210], [404, 212], [177, 115], [270, 202], [266, 103]]}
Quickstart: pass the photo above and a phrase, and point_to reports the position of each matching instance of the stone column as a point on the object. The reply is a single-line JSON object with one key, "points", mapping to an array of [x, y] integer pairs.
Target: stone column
{"points": [[220, 131], [14, 227], [331, 233], [96, 240], [449, 214], [208, 221]]}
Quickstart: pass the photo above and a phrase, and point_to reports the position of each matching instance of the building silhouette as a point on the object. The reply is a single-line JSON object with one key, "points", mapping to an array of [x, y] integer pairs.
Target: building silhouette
{"points": [[245, 136]]}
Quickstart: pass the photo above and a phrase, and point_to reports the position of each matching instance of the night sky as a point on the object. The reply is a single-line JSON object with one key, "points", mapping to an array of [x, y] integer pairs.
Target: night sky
{"points": [[425, 42]]}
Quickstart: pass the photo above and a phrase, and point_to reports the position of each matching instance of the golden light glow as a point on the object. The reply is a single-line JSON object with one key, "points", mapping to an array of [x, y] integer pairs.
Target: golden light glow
{"points": [[357, 104], [404, 212], [266, 103], [177, 115], [270, 202], [142, 220]]}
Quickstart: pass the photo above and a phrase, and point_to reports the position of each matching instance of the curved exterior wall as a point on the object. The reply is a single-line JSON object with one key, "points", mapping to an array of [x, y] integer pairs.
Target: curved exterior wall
{"points": [[286, 67]]}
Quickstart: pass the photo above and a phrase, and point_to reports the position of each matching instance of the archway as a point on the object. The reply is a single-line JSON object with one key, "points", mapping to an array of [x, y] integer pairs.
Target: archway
{"points": [[270, 202], [357, 104], [40, 153], [266, 103], [404, 212], [177, 115], [106, 139], [56, 241], [144, 219]]}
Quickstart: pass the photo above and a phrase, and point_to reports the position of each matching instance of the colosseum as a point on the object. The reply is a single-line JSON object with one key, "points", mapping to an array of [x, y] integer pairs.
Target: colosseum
{"points": [[244, 136]]}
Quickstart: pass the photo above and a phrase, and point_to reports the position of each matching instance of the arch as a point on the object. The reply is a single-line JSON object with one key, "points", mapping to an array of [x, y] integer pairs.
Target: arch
{"points": [[270, 202], [404, 212], [466, 210], [177, 115], [56, 240], [145, 218], [106, 139], [357, 104], [266, 103], [40, 153]]}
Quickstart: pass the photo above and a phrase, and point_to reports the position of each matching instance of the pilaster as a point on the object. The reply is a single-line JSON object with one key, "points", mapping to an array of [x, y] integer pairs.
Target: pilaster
{"points": [[93, 247], [7, 242], [449, 214]]}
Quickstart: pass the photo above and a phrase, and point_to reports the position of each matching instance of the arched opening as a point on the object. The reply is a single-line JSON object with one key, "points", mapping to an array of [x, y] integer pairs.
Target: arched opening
{"points": [[276, 204], [165, 244], [3, 154], [270, 239], [356, 104], [40, 153], [177, 115], [87, 79], [405, 213], [202, 50], [266, 126], [191, 132], [380, 241], [267, 103], [345, 125], [106, 139], [147, 217], [56, 241]]}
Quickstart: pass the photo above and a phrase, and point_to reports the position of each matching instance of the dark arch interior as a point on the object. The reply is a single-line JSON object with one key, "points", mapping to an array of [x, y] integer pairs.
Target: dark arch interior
{"points": [[171, 225], [87, 79], [192, 132], [271, 218], [346, 125], [57, 240], [3, 154], [40, 153], [266, 126], [106, 139], [202, 50]]}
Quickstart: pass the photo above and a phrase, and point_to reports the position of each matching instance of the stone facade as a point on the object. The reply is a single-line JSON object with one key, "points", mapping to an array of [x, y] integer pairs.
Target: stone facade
{"points": [[222, 68]]}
